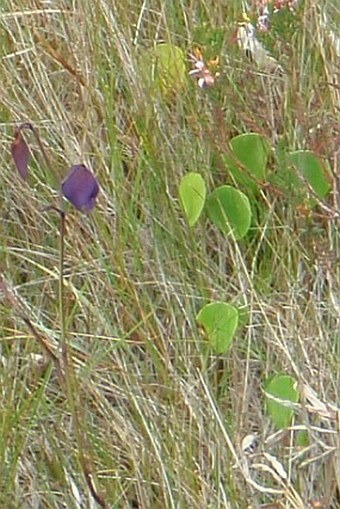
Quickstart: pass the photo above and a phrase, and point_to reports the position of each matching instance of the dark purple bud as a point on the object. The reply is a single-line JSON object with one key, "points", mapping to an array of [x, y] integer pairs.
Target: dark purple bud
{"points": [[81, 188], [20, 153]]}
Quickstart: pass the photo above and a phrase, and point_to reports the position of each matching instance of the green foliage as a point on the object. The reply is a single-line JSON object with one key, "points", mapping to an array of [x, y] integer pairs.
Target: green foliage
{"points": [[281, 387], [220, 321], [164, 68], [285, 178], [302, 438], [284, 26], [229, 210], [211, 39], [250, 156], [192, 192], [310, 167]]}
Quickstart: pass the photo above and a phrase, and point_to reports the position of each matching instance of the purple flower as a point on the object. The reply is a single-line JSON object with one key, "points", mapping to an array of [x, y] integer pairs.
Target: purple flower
{"points": [[81, 188], [20, 153]]}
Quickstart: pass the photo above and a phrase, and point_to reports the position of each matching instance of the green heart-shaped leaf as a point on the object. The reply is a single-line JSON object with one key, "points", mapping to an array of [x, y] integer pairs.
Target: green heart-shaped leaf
{"points": [[281, 387], [164, 68], [311, 168], [229, 210], [192, 192], [220, 321], [251, 151]]}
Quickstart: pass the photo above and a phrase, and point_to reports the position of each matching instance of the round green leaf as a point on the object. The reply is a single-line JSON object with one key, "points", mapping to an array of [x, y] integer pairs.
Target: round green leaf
{"points": [[164, 68], [281, 387], [229, 210], [251, 151], [220, 321], [310, 167], [192, 194]]}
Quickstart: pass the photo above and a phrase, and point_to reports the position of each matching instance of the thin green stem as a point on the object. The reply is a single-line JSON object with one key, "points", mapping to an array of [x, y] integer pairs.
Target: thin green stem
{"points": [[71, 382]]}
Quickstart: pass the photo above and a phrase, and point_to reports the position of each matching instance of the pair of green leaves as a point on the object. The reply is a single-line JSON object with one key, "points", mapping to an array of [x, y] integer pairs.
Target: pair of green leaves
{"points": [[227, 208], [220, 321]]}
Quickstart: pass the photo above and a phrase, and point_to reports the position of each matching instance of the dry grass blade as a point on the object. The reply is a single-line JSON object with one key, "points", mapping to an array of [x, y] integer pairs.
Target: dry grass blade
{"points": [[161, 420]]}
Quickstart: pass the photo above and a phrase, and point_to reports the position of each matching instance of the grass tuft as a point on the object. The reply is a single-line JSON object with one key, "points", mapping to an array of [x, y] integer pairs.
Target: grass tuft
{"points": [[150, 416]]}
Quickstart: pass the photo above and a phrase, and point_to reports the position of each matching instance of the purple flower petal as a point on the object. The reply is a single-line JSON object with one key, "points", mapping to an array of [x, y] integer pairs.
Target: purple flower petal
{"points": [[81, 188], [20, 154]]}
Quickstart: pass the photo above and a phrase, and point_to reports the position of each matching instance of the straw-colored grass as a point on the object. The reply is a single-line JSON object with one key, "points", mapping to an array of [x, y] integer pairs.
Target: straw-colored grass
{"points": [[148, 416]]}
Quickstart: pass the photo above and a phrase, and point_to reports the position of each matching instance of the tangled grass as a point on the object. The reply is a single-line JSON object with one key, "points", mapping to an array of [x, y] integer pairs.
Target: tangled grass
{"points": [[151, 417]]}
